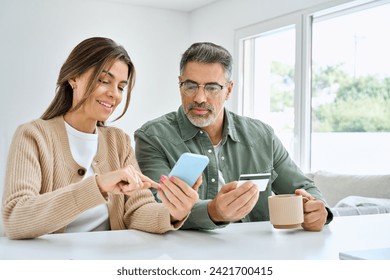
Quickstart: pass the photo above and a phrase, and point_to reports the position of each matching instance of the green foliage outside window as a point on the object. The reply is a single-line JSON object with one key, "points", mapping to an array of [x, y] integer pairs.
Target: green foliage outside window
{"points": [[341, 102]]}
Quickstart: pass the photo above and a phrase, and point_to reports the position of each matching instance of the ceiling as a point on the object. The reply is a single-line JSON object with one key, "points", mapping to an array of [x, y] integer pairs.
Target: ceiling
{"points": [[179, 5]]}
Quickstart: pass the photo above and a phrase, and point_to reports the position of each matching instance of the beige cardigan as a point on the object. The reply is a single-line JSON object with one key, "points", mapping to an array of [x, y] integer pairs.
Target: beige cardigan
{"points": [[44, 190]]}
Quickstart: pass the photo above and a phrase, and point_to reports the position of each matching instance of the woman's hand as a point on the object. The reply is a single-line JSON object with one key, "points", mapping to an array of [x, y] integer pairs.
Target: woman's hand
{"points": [[177, 196], [124, 181]]}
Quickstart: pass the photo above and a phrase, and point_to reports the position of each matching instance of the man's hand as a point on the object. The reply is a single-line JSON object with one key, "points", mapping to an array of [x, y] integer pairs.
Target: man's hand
{"points": [[231, 203], [315, 213]]}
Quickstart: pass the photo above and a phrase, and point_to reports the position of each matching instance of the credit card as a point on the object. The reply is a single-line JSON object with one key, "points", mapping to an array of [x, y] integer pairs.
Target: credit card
{"points": [[259, 179]]}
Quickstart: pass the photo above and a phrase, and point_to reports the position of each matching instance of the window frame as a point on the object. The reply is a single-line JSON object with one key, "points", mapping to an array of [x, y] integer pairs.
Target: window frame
{"points": [[302, 20]]}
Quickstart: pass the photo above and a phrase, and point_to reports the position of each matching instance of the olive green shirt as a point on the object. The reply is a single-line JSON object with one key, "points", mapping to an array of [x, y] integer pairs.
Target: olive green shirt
{"points": [[247, 146]]}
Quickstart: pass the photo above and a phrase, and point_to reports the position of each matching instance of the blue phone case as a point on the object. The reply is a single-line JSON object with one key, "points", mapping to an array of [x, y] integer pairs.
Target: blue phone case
{"points": [[189, 167]]}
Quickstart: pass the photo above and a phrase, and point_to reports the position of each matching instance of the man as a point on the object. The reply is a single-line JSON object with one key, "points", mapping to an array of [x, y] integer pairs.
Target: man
{"points": [[234, 144]]}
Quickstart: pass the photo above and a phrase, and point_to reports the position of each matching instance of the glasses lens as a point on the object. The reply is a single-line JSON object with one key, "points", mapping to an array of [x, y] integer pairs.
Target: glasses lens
{"points": [[190, 88], [212, 89]]}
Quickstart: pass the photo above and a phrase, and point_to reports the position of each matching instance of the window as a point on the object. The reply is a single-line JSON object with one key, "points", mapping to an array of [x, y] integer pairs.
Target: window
{"points": [[269, 93], [321, 79], [351, 91]]}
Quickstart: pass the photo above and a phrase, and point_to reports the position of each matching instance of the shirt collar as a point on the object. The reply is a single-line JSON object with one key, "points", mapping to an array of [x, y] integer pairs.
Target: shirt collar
{"points": [[189, 131]]}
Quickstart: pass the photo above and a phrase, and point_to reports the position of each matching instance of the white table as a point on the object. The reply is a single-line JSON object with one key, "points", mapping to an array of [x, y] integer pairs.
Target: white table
{"points": [[237, 241]]}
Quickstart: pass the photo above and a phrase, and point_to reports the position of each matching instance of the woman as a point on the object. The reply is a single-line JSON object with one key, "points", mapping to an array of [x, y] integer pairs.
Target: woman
{"points": [[68, 171]]}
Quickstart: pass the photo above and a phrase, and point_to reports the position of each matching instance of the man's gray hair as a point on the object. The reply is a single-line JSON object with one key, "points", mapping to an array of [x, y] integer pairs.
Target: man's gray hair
{"points": [[206, 52]]}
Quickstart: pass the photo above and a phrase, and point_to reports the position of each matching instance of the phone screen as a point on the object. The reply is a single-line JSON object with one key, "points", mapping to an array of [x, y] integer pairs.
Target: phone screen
{"points": [[189, 167]]}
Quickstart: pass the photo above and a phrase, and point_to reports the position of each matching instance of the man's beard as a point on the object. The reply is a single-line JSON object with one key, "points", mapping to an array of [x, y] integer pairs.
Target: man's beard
{"points": [[201, 120]]}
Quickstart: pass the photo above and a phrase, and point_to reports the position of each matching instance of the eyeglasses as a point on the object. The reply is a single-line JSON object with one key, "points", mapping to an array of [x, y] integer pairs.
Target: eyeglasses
{"points": [[191, 88]]}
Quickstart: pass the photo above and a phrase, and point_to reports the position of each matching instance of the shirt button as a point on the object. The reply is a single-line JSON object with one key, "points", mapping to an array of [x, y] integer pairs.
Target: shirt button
{"points": [[81, 172], [213, 180], [223, 158], [94, 163], [210, 151], [201, 132]]}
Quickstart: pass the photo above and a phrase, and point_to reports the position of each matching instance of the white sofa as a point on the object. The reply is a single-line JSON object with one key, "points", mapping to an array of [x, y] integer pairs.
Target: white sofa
{"points": [[354, 194], [1, 226], [1, 216]]}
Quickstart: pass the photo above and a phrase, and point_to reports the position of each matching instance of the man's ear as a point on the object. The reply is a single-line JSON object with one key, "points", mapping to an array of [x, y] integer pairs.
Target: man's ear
{"points": [[229, 90]]}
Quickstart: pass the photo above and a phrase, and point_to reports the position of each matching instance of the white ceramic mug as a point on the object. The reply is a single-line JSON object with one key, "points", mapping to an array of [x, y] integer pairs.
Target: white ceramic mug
{"points": [[286, 210]]}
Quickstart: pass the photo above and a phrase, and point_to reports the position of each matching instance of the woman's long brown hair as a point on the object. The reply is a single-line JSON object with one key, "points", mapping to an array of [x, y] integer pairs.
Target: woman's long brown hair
{"points": [[97, 53]]}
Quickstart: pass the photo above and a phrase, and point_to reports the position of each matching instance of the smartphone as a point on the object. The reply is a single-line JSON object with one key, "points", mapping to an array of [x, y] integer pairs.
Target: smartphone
{"points": [[259, 179], [189, 167]]}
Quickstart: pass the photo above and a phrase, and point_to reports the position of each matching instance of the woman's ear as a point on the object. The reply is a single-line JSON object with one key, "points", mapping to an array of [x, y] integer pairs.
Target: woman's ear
{"points": [[72, 83]]}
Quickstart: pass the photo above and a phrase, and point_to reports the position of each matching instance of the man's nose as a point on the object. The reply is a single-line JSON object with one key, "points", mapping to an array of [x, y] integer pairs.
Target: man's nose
{"points": [[200, 95]]}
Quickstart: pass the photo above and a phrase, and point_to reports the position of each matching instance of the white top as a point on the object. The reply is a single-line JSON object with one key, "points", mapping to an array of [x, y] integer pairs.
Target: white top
{"points": [[84, 148], [221, 180]]}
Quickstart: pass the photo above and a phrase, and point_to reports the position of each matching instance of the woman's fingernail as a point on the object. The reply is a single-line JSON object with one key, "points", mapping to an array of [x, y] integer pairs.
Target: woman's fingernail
{"points": [[172, 179], [162, 178]]}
